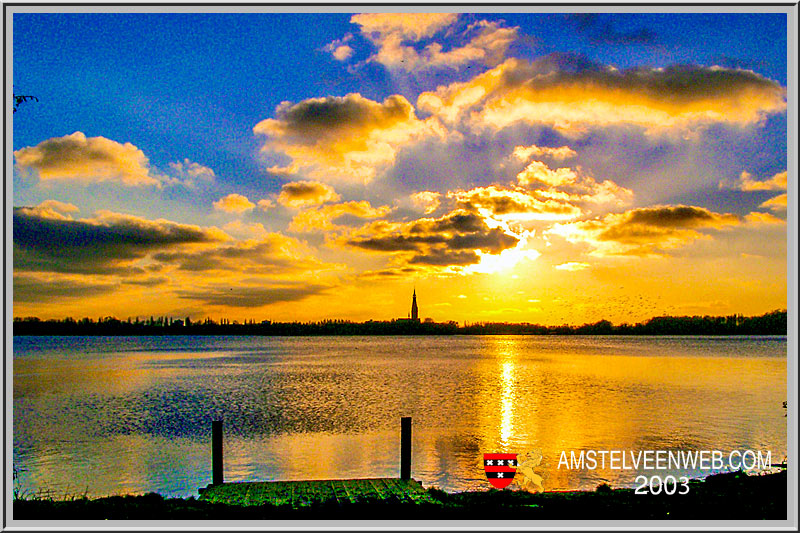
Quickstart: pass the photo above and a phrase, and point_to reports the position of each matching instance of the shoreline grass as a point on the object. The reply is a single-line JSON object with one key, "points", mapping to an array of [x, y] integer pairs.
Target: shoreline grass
{"points": [[729, 496]]}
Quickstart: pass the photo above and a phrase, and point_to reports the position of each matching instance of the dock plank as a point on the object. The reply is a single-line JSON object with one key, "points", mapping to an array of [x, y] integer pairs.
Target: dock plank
{"points": [[305, 493]]}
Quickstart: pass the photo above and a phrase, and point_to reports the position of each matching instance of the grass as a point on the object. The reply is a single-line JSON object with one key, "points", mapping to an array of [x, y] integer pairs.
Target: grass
{"points": [[732, 496]]}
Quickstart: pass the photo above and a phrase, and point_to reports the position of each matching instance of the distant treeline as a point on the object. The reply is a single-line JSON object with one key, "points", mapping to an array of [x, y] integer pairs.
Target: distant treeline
{"points": [[773, 323]]}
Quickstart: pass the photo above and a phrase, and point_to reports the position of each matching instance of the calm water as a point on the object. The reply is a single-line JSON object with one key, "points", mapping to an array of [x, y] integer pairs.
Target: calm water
{"points": [[110, 415]]}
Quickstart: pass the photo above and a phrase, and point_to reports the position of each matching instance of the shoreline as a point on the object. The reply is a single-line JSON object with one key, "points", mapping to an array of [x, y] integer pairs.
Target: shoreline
{"points": [[726, 496]]}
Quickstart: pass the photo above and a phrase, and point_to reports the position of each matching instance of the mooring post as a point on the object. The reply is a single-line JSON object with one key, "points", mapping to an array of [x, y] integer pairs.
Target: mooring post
{"points": [[216, 452], [405, 448]]}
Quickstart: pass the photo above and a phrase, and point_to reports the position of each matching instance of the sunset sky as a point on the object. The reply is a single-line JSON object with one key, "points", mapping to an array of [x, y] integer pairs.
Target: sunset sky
{"points": [[546, 168]]}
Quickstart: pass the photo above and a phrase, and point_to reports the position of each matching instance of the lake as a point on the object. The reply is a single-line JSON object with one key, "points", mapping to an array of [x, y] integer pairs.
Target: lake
{"points": [[117, 415]]}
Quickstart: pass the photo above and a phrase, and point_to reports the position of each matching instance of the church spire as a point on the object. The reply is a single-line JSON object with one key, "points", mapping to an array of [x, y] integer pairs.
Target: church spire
{"points": [[414, 310]]}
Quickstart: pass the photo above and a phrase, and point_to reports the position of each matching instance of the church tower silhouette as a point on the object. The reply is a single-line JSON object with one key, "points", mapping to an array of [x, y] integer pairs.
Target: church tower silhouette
{"points": [[414, 310]]}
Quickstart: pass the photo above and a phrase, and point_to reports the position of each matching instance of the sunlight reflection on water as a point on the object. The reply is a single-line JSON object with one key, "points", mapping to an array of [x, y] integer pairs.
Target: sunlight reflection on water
{"points": [[114, 415]]}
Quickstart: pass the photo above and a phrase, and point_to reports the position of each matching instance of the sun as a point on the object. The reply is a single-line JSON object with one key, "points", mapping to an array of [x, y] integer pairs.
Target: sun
{"points": [[502, 262]]}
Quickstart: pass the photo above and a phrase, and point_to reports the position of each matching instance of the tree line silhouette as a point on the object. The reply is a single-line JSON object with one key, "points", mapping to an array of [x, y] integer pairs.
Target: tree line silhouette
{"points": [[772, 323]]}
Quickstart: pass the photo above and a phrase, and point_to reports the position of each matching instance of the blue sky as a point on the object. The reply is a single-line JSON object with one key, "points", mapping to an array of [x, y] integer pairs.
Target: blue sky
{"points": [[188, 121]]}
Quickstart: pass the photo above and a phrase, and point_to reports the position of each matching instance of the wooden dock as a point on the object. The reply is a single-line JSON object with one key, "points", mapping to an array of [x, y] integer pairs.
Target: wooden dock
{"points": [[299, 494]]}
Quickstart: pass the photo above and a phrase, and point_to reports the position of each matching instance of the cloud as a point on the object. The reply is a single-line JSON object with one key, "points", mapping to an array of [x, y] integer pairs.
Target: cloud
{"points": [[253, 295], [428, 201], [339, 48], [189, 174], [51, 209], [306, 193], [747, 183], [407, 26], [542, 193], [342, 53], [245, 230], [572, 266], [403, 272], [524, 153], [321, 219], [647, 231], [538, 171], [565, 90], [395, 35], [453, 240], [147, 282], [32, 288], [265, 204], [271, 253], [86, 160], [345, 138], [234, 203], [777, 203], [757, 219], [108, 243], [515, 204], [601, 31]]}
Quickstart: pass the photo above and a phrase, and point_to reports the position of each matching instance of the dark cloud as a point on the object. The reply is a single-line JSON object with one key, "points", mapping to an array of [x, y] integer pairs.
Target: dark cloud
{"points": [[310, 121], [681, 216], [601, 30], [675, 83], [305, 193], [102, 245], [32, 289], [443, 257], [449, 240], [401, 272], [253, 296], [147, 282]]}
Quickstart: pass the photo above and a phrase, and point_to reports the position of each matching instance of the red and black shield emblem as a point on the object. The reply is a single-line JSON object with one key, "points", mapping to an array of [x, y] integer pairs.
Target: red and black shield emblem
{"points": [[500, 468]]}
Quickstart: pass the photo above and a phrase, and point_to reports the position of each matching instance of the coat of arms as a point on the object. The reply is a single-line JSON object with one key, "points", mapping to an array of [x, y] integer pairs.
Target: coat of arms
{"points": [[500, 468]]}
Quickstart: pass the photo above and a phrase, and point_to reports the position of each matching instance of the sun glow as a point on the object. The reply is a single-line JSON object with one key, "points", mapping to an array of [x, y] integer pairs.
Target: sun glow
{"points": [[507, 259]]}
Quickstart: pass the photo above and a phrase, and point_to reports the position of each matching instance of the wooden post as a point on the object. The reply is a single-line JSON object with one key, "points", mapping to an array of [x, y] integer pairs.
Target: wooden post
{"points": [[216, 452], [405, 448]]}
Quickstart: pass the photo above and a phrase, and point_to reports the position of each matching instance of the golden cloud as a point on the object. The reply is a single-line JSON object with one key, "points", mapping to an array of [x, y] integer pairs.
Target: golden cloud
{"points": [[87, 160], [234, 203], [321, 219], [562, 90], [777, 203], [306, 193], [648, 231], [747, 183], [340, 137], [538, 171], [513, 204], [524, 153], [407, 26], [428, 201], [541, 194], [760, 219], [395, 34]]}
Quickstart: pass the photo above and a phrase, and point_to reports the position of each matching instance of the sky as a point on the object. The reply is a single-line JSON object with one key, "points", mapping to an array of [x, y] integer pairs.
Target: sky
{"points": [[551, 168]]}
